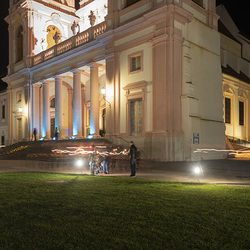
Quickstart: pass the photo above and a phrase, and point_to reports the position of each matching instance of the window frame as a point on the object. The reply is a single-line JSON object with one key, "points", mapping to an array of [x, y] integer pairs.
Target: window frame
{"points": [[136, 117], [131, 3], [130, 64], [199, 2], [241, 113], [3, 111], [19, 53], [230, 110], [136, 90], [19, 97]]}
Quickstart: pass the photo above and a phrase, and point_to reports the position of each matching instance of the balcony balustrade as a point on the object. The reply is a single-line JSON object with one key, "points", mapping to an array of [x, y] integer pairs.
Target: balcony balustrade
{"points": [[71, 43]]}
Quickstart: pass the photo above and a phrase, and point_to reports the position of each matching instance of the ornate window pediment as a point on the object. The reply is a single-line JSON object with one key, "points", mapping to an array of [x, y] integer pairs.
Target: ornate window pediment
{"points": [[242, 94]]}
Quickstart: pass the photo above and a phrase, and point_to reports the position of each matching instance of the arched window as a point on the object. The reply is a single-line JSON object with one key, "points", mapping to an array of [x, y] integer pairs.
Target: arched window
{"points": [[52, 103], [19, 44], [130, 2]]}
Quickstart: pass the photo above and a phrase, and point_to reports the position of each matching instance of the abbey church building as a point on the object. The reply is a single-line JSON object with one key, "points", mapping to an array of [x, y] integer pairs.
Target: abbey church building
{"points": [[147, 70]]}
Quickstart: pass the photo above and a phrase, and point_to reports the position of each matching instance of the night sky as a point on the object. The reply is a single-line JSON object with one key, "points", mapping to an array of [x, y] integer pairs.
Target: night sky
{"points": [[237, 9]]}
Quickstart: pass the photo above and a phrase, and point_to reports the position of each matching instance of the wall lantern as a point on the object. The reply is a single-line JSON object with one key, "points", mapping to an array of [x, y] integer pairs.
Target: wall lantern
{"points": [[103, 91]]}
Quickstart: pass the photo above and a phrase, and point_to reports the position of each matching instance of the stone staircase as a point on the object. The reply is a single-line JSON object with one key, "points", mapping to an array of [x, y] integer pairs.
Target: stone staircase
{"points": [[44, 150]]}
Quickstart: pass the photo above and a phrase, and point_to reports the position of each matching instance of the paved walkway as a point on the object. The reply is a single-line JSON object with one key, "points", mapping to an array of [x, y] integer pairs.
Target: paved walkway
{"points": [[231, 172]]}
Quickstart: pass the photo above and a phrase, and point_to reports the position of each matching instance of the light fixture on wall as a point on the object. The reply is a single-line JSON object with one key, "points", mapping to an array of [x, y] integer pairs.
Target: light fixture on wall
{"points": [[20, 110], [103, 91]]}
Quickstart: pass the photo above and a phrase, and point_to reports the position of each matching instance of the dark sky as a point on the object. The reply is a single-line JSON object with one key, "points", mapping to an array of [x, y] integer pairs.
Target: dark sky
{"points": [[237, 9]]}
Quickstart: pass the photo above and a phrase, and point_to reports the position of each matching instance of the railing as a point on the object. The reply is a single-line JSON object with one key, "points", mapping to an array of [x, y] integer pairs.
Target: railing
{"points": [[73, 42]]}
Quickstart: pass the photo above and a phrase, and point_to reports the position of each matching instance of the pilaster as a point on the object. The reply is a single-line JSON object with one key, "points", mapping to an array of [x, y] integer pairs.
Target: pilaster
{"points": [[59, 107], [77, 106], [94, 100], [46, 112], [113, 93]]}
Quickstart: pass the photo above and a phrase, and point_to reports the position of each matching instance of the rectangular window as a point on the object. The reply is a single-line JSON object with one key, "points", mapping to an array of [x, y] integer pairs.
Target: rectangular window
{"points": [[2, 140], [136, 117], [19, 97], [135, 63], [130, 2], [3, 112], [241, 113], [199, 2], [227, 110]]}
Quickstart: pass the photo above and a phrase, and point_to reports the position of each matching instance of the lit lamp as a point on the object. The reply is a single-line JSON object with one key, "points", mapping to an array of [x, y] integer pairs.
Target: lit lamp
{"points": [[103, 91], [20, 109]]}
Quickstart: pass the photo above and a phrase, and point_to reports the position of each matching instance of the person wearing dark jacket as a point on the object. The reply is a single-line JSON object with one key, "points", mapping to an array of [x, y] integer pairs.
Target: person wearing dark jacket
{"points": [[133, 155]]}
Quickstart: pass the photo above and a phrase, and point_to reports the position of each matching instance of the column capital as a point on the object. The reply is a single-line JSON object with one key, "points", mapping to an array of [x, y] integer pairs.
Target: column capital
{"points": [[94, 65], [58, 77], [76, 71], [112, 56]]}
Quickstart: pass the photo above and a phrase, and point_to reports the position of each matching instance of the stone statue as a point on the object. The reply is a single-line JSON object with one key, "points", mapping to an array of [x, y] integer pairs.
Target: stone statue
{"points": [[92, 18], [75, 27], [56, 37]]}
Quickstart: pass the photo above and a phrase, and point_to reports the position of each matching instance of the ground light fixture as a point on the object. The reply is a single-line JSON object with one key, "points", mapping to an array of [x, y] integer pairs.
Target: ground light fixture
{"points": [[198, 171], [90, 136], [79, 163]]}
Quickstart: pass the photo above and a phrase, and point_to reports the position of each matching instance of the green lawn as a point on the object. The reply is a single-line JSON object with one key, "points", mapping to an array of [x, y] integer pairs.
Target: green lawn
{"points": [[61, 211]]}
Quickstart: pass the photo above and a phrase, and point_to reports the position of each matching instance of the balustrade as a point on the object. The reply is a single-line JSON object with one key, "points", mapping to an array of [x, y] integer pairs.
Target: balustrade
{"points": [[75, 41]]}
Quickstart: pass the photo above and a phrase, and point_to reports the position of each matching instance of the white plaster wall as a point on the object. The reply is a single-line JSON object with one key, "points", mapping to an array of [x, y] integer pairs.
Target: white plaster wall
{"points": [[206, 108], [100, 10], [42, 18]]}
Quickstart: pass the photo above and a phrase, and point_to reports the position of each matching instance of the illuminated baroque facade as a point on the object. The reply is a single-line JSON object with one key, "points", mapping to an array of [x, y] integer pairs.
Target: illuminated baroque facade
{"points": [[145, 70]]}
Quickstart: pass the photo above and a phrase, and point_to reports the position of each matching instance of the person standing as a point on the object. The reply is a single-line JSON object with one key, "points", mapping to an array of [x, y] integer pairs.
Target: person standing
{"points": [[56, 133], [34, 133], [105, 164], [133, 154]]}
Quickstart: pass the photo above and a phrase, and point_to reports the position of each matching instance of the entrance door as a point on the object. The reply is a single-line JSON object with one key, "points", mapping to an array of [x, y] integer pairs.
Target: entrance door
{"points": [[52, 127]]}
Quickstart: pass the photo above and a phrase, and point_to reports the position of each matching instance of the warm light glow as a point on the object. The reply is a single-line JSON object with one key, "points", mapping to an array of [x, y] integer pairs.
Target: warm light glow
{"points": [[109, 93], [79, 163], [90, 137], [26, 110], [103, 91], [20, 109], [197, 170]]}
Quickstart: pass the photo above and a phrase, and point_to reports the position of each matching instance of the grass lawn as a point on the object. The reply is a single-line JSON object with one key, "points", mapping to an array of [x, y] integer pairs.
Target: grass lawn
{"points": [[62, 211]]}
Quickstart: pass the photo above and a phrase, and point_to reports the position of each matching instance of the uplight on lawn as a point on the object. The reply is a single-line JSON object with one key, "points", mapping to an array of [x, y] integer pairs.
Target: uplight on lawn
{"points": [[79, 163], [197, 170]]}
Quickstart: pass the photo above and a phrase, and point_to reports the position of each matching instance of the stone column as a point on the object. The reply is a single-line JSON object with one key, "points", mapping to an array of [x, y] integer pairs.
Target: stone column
{"points": [[11, 116], [46, 112], [94, 100], [59, 107], [113, 94], [70, 112], [83, 105], [77, 106], [27, 122], [36, 108]]}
